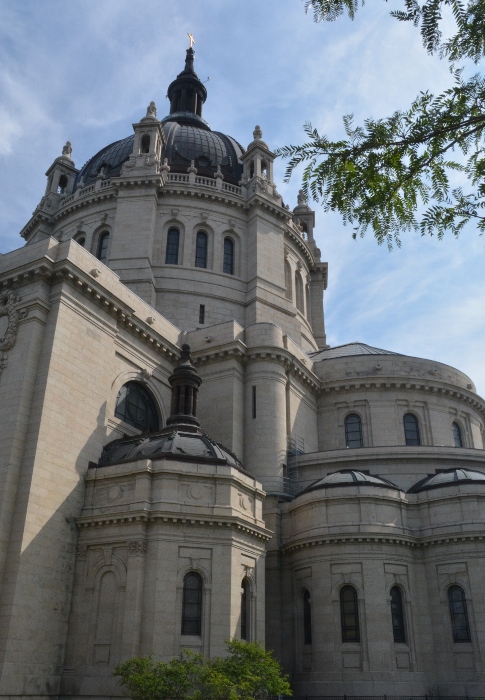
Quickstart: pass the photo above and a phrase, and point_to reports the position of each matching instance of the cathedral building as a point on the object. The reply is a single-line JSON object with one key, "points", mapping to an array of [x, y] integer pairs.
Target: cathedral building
{"points": [[185, 460]]}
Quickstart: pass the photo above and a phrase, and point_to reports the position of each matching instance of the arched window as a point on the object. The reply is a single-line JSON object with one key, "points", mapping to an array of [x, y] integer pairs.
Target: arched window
{"points": [[192, 605], [457, 435], [81, 241], [228, 256], [459, 615], [245, 609], [299, 292], [135, 406], [307, 300], [172, 254], [201, 249], [307, 618], [251, 169], [145, 144], [103, 247], [353, 431], [349, 614], [397, 615], [411, 429], [61, 187], [288, 292]]}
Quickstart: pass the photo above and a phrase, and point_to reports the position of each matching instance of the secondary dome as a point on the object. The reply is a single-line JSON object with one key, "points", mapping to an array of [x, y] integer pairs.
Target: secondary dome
{"points": [[349, 477], [349, 350], [449, 477], [188, 137]]}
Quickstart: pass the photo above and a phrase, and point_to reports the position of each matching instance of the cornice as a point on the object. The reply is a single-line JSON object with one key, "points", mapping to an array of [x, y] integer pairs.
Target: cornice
{"points": [[185, 189], [144, 516], [415, 385], [301, 244], [411, 542]]}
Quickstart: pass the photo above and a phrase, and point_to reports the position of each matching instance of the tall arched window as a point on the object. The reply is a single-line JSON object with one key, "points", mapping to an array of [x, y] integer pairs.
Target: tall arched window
{"points": [[192, 605], [135, 406], [397, 615], [61, 187], [172, 254], [245, 609], [228, 256], [307, 618], [299, 292], [457, 435], [411, 429], [288, 292], [353, 431], [349, 614], [103, 247], [201, 249], [145, 143], [459, 615]]}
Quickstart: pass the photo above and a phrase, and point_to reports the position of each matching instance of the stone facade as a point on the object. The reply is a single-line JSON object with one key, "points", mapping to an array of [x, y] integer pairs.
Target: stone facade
{"points": [[337, 496]]}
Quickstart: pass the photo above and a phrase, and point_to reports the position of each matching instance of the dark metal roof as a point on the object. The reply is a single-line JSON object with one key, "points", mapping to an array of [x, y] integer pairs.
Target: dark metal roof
{"points": [[449, 477], [349, 350], [349, 477], [185, 142]]}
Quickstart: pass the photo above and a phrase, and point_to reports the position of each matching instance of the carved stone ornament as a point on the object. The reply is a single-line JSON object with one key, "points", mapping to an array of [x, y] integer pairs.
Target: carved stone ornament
{"points": [[9, 307], [137, 547]]}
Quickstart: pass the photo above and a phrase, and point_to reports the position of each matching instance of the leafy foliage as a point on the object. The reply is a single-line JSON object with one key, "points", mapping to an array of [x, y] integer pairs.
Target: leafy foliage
{"points": [[381, 173], [247, 672]]}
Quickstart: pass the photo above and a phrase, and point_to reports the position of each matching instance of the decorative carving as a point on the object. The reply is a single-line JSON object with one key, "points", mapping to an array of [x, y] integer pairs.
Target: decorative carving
{"points": [[67, 150], [257, 133], [192, 168], [9, 307], [136, 547], [165, 168], [82, 551], [152, 110]]}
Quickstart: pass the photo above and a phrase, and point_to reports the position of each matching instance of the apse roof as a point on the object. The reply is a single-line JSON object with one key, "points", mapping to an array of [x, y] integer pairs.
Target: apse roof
{"points": [[449, 477], [349, 350], [349, 477]]}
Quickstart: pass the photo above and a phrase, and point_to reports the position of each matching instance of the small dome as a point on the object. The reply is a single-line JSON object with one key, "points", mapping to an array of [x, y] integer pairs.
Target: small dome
{"points": [[349, 477], [449, 477], [349, 350], [169, 443]]}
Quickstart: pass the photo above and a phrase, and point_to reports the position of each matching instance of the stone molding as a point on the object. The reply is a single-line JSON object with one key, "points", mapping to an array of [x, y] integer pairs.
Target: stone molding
{"points": [[137, 547], [414, 542]]}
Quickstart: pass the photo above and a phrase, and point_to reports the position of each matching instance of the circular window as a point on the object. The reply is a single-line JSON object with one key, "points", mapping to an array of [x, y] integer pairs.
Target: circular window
{"points": [[135, 406]]}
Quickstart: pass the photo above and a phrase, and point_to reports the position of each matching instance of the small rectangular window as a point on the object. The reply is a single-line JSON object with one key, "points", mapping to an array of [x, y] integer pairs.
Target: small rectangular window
{"points": [[254, 401], [202, 313]]}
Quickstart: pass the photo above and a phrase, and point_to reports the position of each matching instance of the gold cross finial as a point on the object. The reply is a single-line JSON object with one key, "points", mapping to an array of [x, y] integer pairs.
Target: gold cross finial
{"points": [[192, 40]]}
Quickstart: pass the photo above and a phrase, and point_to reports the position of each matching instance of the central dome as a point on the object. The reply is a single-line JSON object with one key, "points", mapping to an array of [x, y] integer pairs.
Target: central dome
{"points": [[188, 138]]}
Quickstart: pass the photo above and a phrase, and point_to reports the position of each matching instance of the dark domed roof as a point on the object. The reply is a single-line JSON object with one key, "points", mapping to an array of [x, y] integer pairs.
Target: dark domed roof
{"points": [[188, 137], [349, 350], [349, 477], [449, 477], [171, 443]]}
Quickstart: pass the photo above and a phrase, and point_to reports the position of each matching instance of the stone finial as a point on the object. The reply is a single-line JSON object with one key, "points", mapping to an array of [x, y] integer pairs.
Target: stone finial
{"points": [[192, 168], [165, 167], [219, 175], [152, 110], [301, 198], [67, 150], [257, 133]]}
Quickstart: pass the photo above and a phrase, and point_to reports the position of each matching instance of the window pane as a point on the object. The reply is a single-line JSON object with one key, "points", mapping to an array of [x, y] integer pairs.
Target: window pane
{"points": [[353, 431], [459, 615], [411, 430], [307, 619], [201, 250], [397, 615], [103, 247], [135, 406], [349, 615], [228, 256], [172, 254], [192, 605], [457, 435]]}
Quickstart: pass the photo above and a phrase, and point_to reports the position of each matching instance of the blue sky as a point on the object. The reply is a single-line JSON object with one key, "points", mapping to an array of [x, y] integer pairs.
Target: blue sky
{"points": [[85, 70]]}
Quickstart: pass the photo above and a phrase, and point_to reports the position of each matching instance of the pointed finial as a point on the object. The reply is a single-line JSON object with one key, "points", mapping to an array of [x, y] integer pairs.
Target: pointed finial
{"points": [[192, 168], [301, 198], [257, 133], [191, 39], [67, 150], [219, 175]]}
